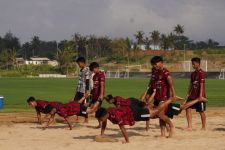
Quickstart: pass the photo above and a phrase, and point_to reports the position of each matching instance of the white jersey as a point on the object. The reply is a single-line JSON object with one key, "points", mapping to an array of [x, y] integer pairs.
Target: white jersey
{"points": [[83, 76]]}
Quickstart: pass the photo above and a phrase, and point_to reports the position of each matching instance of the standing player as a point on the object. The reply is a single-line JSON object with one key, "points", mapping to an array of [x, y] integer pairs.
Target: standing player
{"points": [[162, 81], [197, 90], [82, 90], [98, 91]]}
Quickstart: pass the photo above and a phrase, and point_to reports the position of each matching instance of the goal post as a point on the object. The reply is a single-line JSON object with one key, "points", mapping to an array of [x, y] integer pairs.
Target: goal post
{"points": [[187, 66], [222, 74]]}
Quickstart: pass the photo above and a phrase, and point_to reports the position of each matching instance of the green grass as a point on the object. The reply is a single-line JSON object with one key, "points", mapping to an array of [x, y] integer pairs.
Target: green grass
{"points": [[17, 90]]}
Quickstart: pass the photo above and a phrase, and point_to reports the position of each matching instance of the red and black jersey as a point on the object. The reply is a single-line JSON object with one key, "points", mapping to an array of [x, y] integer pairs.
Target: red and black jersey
{"points": [[69, 109], [41, 104], [128, 102], [121, 115], [160, 83], [97, 79], [197, 77], [121, 102]]}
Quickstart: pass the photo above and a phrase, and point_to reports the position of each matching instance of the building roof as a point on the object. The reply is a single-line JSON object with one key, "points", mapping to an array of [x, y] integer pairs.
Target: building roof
{"points": [[39, 59], [20, 59]]}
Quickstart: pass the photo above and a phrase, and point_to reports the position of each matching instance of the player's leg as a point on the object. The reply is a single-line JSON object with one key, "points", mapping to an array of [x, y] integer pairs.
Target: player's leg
{"points": [[86, 118], [50, 120], [162, 125], [103, 127], [68, 122], [166, 120], [203, 118], [201, 107], [189, 119], [147, 125]]}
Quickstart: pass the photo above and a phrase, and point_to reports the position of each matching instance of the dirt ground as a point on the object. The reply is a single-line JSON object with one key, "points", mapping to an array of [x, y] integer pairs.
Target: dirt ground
{"points": [[19, 131]]}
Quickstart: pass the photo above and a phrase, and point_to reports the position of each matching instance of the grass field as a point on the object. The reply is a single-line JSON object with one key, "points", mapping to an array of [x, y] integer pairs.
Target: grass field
{"points": [[17, 90]]}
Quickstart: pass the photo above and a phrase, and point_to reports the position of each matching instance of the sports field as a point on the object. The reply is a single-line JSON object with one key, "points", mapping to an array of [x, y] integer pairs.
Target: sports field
{"points": [[17, 90], [20, 131]]}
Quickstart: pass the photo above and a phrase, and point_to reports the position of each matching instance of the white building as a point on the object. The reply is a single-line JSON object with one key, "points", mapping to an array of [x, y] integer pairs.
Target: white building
{"points": [[37, 61], [152, 47]]}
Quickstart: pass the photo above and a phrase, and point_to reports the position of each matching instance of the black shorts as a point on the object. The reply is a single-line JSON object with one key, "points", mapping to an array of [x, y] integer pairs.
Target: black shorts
{"points": [[79, 95], [137, 102], [173, 109], [199, 107], [141, 114], [93, 101], [83, 111], [100, 112]]}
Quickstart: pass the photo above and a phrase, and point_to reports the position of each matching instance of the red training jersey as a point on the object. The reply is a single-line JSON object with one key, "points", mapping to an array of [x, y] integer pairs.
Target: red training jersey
{"points": [[160, 83], [97, 79], [197, 77], [41, 104]]}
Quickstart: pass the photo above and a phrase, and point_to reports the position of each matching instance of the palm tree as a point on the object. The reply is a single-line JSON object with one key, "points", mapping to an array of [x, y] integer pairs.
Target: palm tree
{"points": [[155, 36], [147, 42], [179, 30], [139, 36]]}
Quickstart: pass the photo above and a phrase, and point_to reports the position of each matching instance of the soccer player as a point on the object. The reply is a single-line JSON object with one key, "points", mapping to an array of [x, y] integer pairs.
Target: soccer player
{"points": [[70, 109], [127, 115], [162, 81], [82, 90], [98, 90], [128, 102], [197, 91], [40, 106]]}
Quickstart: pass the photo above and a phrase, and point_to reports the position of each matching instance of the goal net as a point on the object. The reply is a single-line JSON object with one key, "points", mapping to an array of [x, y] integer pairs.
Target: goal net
{"points": [[222, 74], [187, 66]]}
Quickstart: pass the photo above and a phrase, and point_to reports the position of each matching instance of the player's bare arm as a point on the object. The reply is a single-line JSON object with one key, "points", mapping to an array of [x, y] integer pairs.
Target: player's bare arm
{"points": [[102, 90], [51, 119], [171, 84], [39, 117]]}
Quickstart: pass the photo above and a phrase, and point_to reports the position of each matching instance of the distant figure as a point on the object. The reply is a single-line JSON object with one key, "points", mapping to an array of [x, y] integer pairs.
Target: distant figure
{"points": [[196, 91]]}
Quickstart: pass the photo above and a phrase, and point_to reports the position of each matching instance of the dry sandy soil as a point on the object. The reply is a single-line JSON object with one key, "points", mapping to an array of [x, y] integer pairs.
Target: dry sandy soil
{"points": [[18, 131]]}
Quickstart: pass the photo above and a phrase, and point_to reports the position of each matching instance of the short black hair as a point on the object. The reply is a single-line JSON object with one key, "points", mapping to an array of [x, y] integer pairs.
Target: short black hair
{"points": [[30, 99], [196, 59], [81, 59], [108, 97], [93, 65], [156, 59], [100, 112]]}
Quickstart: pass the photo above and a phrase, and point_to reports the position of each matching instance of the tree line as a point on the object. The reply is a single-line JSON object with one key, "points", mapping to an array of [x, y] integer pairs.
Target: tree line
{"points": [[96, 47]]}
